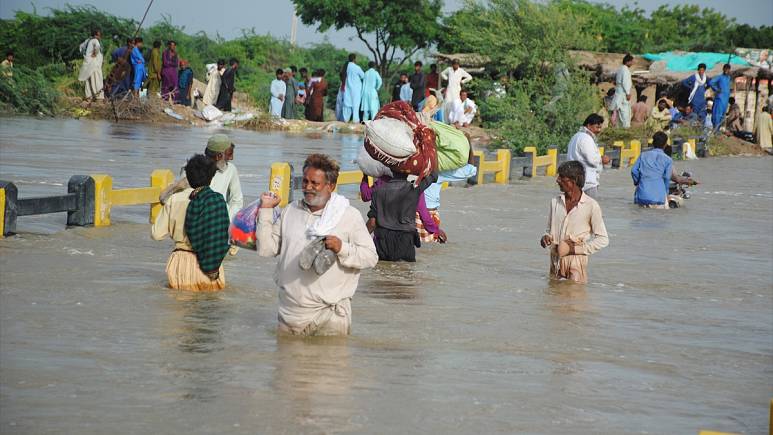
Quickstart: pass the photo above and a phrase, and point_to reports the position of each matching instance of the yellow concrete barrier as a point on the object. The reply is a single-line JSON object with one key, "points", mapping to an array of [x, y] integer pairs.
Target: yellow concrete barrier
{"points": [[105, 197], [711, 432], [350, 177], [499, 167], [692, 143], [550, 160], [280, 181], [2, 212], [629, 154]]}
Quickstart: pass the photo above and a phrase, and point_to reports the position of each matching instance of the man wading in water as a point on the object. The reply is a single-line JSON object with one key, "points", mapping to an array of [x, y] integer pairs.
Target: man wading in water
{"points": [[322, 244], [575, 226]]}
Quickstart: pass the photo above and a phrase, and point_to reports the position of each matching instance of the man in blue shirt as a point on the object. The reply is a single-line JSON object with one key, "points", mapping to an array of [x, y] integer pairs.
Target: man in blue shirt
{"points": [[652, 174]]}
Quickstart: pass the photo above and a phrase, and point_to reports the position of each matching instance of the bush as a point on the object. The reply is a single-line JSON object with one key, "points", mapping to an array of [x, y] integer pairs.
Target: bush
{"points": [[28, 91]]}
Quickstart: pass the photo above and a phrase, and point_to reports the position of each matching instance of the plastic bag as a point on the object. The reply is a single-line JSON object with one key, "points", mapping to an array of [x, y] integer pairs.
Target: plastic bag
{"points": [[242, 230], [211, 113], [453, 148]]}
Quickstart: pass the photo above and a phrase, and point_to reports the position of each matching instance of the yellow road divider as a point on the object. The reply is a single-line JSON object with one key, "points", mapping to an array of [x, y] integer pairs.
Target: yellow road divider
{"points": [[105, 197]]}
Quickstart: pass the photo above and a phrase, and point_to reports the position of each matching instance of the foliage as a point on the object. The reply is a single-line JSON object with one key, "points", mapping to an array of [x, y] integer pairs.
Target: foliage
{"points": [[28, 91], [39, 40], [384, 26]]}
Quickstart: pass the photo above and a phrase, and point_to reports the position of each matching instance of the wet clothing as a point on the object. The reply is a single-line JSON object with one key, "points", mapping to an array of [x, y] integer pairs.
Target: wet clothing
{"points": [[182, 268], [583, 148], [206, 225], [366, 194], [225, 182], [583, 225], [311, 304], [226, 90], [170, 65], [651, 175], [394, 207], [425, 236]]}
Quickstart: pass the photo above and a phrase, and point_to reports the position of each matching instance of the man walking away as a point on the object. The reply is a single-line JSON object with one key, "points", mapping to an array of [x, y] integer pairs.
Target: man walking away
{"points": [[575, 227], [196, 219], [227, 87], [91, 69], [584, 149], [322, 244], [623, 84], [370, 87]]}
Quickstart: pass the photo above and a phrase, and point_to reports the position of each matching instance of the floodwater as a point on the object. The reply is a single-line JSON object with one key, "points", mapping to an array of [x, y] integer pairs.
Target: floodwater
{"points": [[673, 334]]}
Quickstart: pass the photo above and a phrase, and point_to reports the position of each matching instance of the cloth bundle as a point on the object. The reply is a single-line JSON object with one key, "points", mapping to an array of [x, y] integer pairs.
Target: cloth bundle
{"points": [[453, 147], [424, 161], [370, 166]]}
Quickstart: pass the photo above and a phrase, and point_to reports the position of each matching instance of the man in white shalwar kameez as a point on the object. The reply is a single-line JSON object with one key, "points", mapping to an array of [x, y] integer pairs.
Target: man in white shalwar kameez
{"points": [[456, 77], [316, 300], [91, 69], [622, 99], [214, 73], [278, 91], [462, 111]]}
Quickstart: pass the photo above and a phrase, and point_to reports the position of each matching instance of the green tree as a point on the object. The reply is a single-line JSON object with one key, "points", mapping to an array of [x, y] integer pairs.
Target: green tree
{"points": [[392, 30]]}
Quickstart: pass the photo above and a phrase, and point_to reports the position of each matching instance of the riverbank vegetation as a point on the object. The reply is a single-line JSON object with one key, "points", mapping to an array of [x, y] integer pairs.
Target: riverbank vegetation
{"points": [[530, 93]]}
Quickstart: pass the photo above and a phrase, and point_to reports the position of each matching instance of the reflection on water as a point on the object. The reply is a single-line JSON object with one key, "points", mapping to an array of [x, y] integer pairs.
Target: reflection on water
{"points": [[671, 335]]}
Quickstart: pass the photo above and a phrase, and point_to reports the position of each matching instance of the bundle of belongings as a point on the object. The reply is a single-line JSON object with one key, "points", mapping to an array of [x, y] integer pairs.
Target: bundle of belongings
{"points": [[405, 150], [242, 231]]}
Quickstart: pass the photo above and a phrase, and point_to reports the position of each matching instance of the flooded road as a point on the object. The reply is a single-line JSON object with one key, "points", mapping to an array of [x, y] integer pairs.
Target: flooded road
{"points": [[673, 334]]}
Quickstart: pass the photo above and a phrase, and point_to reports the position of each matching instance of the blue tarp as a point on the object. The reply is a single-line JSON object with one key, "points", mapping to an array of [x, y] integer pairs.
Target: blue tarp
{"points": [[689, 61]]}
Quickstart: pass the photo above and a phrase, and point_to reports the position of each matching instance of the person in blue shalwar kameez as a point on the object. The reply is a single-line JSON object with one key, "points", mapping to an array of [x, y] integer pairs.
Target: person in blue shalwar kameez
{"points": [[353, 95], [696, 84], [721, 87], [370, 87], [138, 65]]}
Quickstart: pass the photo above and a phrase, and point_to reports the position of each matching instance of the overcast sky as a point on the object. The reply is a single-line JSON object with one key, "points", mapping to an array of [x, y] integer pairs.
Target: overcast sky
{"points": [[274, 16]]}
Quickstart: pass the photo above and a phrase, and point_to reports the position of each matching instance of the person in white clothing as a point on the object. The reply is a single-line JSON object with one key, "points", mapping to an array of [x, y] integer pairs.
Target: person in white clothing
{"points": [[456, 77], [322, 225], [583, 148], [226, 180], [91, 69], [278, 91], [621, 103], [462, 111], [214, 73]]}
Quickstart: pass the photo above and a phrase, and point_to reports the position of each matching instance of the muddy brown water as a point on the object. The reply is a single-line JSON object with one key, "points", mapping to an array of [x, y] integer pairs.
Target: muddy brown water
{"points": [[673, 334]]}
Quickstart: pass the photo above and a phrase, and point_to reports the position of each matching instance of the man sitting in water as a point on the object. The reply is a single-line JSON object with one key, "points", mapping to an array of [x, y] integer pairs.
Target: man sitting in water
{"points": [[196, 218], [316, 300], [575, 227], [652, 175]]}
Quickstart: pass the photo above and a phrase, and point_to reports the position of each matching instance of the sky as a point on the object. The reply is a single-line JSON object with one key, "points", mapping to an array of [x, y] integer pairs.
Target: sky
{"points": [[274, 16]]}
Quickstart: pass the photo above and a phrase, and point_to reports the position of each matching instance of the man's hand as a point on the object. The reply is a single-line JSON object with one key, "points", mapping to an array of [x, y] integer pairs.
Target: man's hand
{"points": [[441, 236], [546, 240], [572, 246], [333, 243], [269, 200], [605, 160]]}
